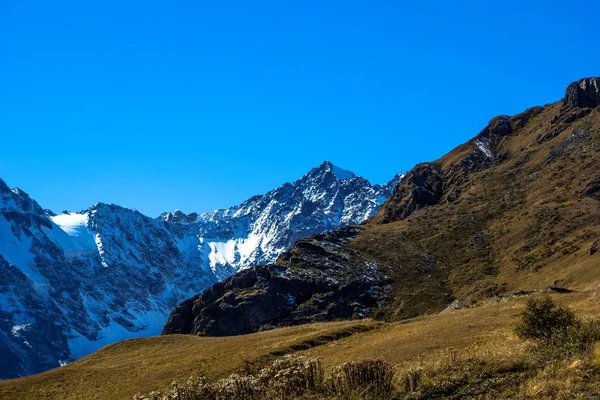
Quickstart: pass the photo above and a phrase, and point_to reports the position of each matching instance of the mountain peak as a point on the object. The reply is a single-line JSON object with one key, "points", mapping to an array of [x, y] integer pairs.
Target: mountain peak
{"points": [[340, 173]]}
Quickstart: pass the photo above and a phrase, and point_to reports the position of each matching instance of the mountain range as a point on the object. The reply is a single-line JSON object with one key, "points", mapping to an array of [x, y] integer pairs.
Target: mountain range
{"points": [[74, 282]]}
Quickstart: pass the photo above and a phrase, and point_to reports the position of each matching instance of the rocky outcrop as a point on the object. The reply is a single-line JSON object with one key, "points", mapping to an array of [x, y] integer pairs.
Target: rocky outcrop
{"points": [[422, 186], [584, 93], [427, 184], [289, 293], [499, 126], [179, 217]]}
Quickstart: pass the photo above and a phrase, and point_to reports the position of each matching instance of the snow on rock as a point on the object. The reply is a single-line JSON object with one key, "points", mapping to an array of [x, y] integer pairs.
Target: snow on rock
{"points": [[72, 224], [484, 148], [263, 227], [71, 233]]}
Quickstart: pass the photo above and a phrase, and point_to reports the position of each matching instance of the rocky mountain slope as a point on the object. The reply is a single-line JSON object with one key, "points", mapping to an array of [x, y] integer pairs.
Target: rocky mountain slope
{"points": [[517, 207], [72, 283]]}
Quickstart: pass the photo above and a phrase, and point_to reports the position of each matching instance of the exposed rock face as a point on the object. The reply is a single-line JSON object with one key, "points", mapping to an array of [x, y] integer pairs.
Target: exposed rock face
{"points": [[427, 184], [498, 127], [179, 217], [421, 187], [312, 283], [584, 93]]}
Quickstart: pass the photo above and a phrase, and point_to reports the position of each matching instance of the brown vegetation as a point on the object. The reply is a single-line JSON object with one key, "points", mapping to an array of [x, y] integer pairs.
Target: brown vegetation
{"points": [[558, 361], [445, 347]]}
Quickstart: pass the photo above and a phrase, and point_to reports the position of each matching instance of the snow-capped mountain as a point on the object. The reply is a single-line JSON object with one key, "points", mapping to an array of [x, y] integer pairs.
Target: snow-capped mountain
{"points": [[72, 283], [261, 228]]}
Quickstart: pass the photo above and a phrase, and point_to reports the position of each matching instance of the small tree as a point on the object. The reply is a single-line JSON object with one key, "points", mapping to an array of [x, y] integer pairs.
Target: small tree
{"points": [[544, 321]]}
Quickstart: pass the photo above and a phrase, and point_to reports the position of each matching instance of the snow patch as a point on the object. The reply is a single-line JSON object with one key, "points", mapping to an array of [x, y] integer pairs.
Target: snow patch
{"points": [[16, 332], [484, 149], [73, 224], [70, 232], [17, 251]]}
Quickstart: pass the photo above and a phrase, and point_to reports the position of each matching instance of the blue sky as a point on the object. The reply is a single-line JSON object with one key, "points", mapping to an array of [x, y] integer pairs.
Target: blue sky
{"points": [[196, 105]]}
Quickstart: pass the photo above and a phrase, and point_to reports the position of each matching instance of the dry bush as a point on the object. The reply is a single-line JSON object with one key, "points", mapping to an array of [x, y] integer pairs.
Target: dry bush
{"points": [[293, 376], [572, 378], [286, 378]]}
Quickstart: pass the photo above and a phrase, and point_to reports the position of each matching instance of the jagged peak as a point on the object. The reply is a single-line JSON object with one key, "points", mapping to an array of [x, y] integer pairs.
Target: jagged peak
{"points": [[326, 173], [340, 173], [178, 216]]}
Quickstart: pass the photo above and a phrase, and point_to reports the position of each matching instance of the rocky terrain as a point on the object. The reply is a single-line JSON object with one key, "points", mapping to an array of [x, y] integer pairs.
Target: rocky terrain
{"points": [[74, 282], [322, 286], [515, 208]]}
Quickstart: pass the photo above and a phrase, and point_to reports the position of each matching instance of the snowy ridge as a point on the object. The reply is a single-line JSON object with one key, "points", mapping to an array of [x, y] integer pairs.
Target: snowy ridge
{"points": [[74, 282], [260, 229]]}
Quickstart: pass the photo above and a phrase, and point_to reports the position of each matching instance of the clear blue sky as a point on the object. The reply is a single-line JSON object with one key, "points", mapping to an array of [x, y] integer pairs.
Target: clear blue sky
{"points": [[195, 105]]}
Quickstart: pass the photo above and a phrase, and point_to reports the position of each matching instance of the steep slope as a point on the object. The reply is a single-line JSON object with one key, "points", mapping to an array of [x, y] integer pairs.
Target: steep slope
{"points": [[516, 207], [74, 282]]}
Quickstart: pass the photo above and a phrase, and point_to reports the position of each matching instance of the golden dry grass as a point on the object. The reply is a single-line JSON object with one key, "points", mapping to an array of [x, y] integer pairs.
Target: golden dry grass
{"points": [[142, 365], [120, 370], [521, 223]]}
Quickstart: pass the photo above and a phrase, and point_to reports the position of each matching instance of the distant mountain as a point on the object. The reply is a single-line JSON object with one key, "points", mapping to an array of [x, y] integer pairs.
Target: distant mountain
{"points": [[261, 228], [74, 282], [515, 208]]}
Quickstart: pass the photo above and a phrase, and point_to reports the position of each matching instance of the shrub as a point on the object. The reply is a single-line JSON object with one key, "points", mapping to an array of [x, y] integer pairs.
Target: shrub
{"points": [[544, 321], [239, 387], [555, 328], [293, 376], [286, 378]]}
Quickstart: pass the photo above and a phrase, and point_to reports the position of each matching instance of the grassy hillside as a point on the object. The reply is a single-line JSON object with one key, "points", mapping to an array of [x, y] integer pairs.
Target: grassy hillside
{"points": [[122, 369], [527, 218], [141, 365]]}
